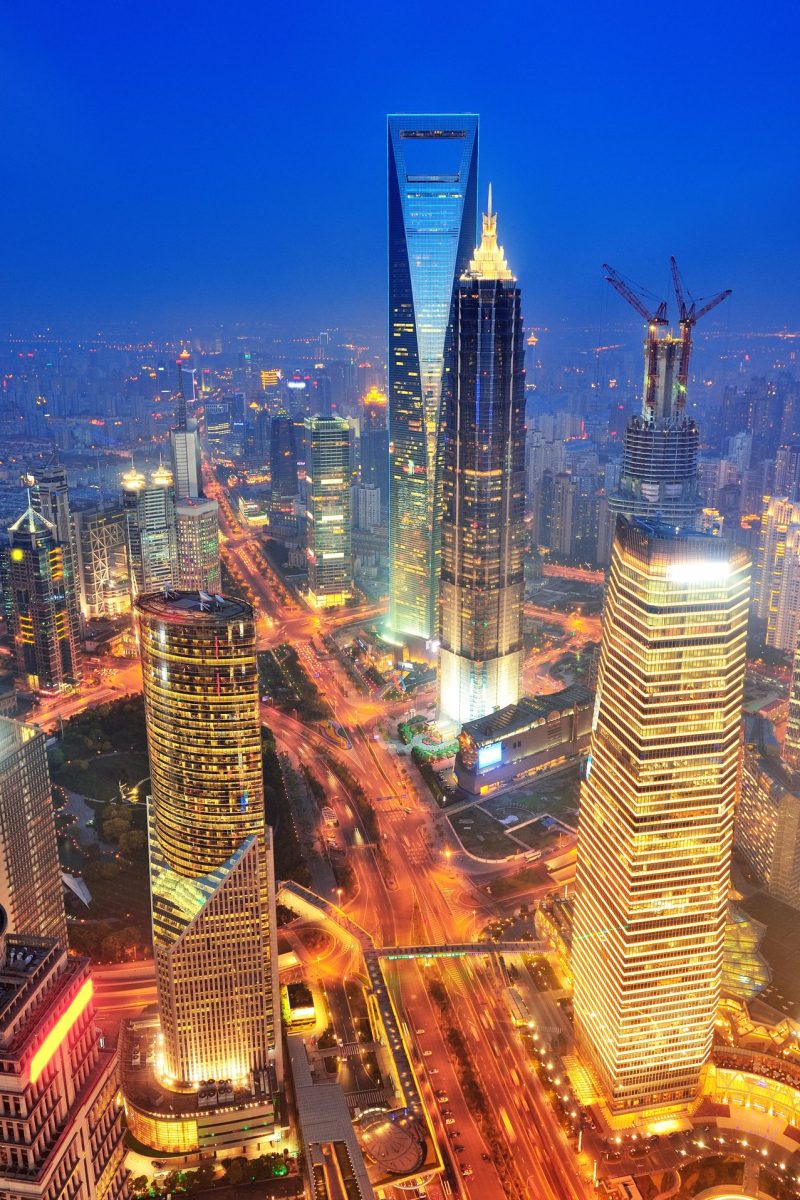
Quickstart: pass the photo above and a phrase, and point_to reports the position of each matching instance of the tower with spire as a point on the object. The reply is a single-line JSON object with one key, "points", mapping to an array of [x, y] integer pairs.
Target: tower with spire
{"points": [[37, 596], [482, 489]]}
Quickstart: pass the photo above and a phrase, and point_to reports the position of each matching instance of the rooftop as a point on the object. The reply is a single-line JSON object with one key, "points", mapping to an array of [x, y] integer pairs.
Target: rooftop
{"points": [[526, 712], [180, 607]]}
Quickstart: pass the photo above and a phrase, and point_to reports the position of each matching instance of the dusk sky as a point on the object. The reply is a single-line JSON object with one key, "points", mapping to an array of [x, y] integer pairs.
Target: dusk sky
{"points": [[176, 164]]}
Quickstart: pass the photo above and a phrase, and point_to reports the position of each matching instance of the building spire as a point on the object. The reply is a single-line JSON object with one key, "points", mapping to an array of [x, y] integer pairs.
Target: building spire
{"points": [[489, 261]]}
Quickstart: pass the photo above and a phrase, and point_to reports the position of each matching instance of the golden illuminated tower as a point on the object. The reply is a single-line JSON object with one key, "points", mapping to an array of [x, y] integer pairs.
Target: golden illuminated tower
{"points": [[656, 814], [211, 871], [483, 490]]}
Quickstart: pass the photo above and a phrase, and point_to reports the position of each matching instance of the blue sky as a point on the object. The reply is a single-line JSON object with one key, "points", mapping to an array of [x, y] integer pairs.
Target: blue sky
{"points": [[174, 163]]}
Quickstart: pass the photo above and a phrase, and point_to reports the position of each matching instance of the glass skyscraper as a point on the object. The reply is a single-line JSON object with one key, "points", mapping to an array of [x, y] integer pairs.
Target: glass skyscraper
{"points": [[433, 204], [483, 490]]}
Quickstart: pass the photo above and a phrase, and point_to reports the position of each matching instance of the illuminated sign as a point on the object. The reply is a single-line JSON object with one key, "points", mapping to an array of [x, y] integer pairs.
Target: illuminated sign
{"points": [[296, 384], [59, 1032], [488, 756]]}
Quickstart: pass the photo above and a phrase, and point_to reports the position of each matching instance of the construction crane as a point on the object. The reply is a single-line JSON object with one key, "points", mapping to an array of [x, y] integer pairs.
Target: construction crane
{"points": [[689, 316], [638, 299]]}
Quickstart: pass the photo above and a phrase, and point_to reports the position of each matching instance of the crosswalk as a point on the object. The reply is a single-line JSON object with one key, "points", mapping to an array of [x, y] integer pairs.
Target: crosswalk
{"points": [[373, 1098]]}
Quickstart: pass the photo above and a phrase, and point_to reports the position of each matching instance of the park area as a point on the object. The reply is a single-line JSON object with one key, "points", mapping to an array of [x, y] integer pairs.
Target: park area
{"points": [[539, 815]]}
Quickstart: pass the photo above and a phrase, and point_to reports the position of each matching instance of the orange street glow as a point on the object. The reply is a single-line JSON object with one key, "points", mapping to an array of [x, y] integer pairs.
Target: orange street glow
{"points": [[60, 1030]]}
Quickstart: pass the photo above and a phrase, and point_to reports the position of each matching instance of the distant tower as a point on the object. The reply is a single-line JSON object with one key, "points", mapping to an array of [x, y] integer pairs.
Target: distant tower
{"points": [[151, 533], [211, 871], [30, 876], [661, 444], [50, 497], [433, 205], [185, 441], [197, 528], [39, 600], [374, 444], [483, 490], [656, 814], [791, 745], [326, 489]]}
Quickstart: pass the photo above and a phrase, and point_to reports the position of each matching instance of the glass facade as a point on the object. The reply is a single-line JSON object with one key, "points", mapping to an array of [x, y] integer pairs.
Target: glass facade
{"points": [[483, 491], [197, 527], [30, 876], [211, 872], [433, 173], [656, 814], [39, 602], [326, 496]]}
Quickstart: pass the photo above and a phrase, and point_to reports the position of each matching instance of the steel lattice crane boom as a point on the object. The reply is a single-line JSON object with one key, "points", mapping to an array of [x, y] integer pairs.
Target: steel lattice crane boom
{"points": [[638, 299], [689, 316]]}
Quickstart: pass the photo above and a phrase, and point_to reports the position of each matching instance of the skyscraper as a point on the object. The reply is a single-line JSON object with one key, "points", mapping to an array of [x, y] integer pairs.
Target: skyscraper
{"points": [[211, 871], [102, 561], [777, 572], [50, 497], [185, 441], [433, 175], [656, 814], [62, 1135], [659, 477], [36, 590], [374, 444], [30, 876], [326, 495], [197, 530], [791, 745], [151, 534], [483, 490]]}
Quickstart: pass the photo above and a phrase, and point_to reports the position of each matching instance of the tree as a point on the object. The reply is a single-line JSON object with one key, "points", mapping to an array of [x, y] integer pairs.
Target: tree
{"points": [[115, 828], [132, 841], [140, 1186]]}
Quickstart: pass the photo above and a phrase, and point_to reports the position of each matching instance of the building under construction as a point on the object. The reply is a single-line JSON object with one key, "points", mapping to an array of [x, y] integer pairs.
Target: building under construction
{"points": [[661, 444]]}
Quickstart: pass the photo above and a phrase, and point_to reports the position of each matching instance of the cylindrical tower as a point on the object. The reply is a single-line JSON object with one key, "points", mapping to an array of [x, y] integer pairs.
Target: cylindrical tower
{"points": [[483, 490], [203, 728], [212, 880]]}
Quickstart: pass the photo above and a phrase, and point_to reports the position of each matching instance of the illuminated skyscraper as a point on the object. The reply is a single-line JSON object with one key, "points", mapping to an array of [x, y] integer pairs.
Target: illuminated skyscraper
{"points": [[211, 869], [151, 533], [50, 498], [433, 175], [102, 561], [326, 495], [374, 444], [483, 490], [38, 597], [656, 814], [197, 529], [777, 572], [30, 876], [62, 1134]]}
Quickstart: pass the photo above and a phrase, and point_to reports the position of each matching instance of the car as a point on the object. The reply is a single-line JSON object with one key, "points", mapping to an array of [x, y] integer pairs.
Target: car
{"points": [[427, 1053], [447, 1112], [612, 1155], [419, 1031], [433, 1070], [486, 1157], [466, 1172], [458, 1149], [450, 1121]]}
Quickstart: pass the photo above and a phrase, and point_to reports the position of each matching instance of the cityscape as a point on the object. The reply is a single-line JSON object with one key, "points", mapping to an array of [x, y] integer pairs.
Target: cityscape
{"points": [[399, 688]]}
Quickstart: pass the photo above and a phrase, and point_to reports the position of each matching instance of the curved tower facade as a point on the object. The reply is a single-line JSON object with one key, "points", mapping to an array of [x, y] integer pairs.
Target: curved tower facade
{"points": [[433, 202], [483, 491], [211, 871]]}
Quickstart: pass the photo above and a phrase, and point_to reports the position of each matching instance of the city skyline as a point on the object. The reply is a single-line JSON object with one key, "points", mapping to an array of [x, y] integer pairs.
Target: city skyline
{"points": [[399, 664]]}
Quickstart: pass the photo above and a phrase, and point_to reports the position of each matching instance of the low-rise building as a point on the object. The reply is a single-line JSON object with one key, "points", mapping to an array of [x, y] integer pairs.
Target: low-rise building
{"points": [[520, 739]]}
